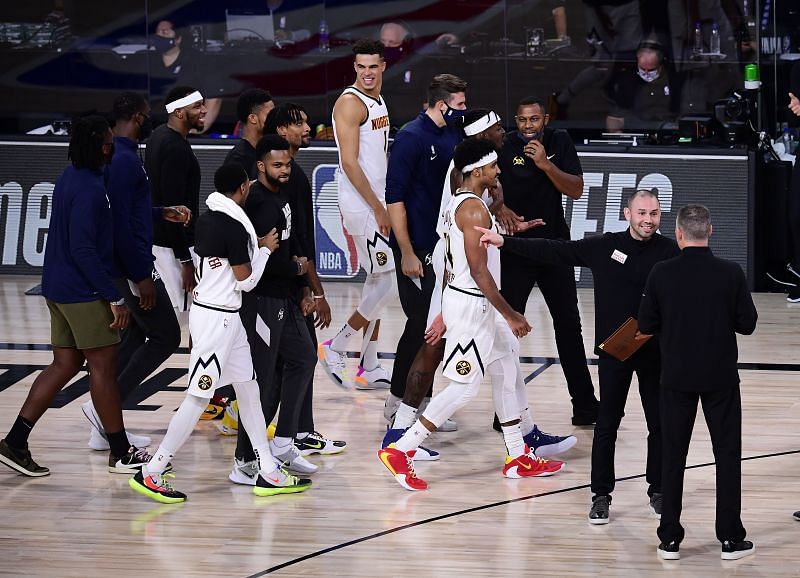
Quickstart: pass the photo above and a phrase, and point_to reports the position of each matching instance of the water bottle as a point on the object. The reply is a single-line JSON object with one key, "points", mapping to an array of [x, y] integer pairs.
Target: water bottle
{"points": [[324, 37], [714, 48], [697, 46]]}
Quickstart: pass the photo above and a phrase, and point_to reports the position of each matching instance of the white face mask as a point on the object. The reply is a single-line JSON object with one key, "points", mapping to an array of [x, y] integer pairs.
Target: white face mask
{"points": [[648, 75]]}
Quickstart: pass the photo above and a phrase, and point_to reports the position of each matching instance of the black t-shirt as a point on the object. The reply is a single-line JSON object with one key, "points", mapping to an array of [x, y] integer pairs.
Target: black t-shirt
{"points": [[174, 175], [298, 190], [245, 154], [219, 235], [528, 191], [268, 210]]}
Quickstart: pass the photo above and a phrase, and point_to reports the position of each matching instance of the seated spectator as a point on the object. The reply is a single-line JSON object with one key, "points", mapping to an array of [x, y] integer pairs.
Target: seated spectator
{"points": [[640, 94]]}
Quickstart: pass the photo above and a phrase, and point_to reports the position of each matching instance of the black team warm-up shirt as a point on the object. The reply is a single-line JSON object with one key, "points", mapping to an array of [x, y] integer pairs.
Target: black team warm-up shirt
{"points": [[174, 180]]}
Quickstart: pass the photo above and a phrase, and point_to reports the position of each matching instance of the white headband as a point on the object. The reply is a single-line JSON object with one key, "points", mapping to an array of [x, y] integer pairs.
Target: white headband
{"points": [[185, 101], [480, 125], [491, 157]]}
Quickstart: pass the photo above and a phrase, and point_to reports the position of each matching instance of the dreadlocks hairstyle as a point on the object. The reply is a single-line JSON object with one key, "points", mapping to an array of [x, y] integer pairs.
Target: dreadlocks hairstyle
{"points": [[86, 142]]}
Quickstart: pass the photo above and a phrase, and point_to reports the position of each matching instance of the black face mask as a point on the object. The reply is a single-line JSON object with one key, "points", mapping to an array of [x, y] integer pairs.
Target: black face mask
{"points": [[145, 129], [162, 44]]}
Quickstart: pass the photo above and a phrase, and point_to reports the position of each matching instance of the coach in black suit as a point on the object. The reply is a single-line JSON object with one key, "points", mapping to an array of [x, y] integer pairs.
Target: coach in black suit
{"points": [[697, 303]]}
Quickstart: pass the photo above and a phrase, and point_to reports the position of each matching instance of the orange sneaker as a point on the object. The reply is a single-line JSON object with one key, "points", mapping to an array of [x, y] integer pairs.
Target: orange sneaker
{"points": [[401, 466], [528, 465]]}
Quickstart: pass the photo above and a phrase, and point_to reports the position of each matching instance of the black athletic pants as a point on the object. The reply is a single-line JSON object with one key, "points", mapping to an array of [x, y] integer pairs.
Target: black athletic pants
{"points": [[557, 284], [615, 382], [723, 412], [276, 327], [794, 215], [148, 340], [415, 302]]}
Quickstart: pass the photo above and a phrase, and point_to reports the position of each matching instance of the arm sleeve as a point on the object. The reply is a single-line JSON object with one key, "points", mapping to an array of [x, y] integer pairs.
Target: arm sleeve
{"points": [[83, 243], [552, 252], [257, 265], [649, 312], [437, 260], [402, 162], [173, 187], [121, 191], [746, 315]]}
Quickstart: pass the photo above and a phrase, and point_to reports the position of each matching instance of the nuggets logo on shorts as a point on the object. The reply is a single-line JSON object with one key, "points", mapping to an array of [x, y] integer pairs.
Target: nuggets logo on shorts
{"points": [[463, 367], [381, 257], [205, 382]]}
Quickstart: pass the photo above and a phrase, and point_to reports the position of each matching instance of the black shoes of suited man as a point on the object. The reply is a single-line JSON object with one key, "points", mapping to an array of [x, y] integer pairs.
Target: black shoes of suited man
{"points": [[730, 550]]}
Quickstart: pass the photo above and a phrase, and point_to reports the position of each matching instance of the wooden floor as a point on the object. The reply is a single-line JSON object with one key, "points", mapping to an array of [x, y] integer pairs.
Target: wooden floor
{"points": [[356, 521]]}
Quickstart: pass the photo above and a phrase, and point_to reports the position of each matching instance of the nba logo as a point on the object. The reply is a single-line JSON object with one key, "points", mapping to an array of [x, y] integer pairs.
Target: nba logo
{"points": [[336, 252]]}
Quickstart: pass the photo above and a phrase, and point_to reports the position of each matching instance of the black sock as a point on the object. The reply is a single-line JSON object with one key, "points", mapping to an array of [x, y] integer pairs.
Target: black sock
{"points": [[119, 443], [17, 437]]}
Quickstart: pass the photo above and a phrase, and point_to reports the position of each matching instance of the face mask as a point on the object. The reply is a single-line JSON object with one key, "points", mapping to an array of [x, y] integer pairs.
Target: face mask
{"points": [[453, 116], [648, 75], [393, 54], [162, 44], [146, 128]]}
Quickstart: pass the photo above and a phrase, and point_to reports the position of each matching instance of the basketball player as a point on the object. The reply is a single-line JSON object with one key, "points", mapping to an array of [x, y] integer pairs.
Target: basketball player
{"points": [[481, 329], [477, 124], [361, 128], [231, 259], [175, 180]]}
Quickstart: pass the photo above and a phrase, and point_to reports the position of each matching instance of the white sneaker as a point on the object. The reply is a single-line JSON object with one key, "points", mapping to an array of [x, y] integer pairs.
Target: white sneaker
{"points": [[292, 459], [334, 365], [97, 437], [377, 378], [244, 473], [449, 425], [425, 455]]}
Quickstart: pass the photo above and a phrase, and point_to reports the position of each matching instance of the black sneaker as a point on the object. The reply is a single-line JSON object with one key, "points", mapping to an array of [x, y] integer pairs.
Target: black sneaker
{"points": [[598, 514], [736, 550], [130, 463], [669, 551], [794, 295], [656, 504], [796, 515], [21, 461], [279, 482]]}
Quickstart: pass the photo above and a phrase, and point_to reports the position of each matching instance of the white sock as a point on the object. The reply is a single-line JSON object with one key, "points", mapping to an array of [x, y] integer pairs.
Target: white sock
{"points": [[413, 438], [512, 435], [405, 417], [279, 445], [369, 360], [158, 463], [301, 435], [526, 421], [339, 343], [265, 462]]}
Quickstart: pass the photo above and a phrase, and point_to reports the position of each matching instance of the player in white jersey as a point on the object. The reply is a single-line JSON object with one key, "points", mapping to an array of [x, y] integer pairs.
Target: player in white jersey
{"points": [[231, 259], [481, 328], [361, 128]]}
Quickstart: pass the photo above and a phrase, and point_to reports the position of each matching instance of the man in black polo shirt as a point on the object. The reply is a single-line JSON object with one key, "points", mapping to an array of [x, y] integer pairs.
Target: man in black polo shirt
{"points": [[538, 165], [273, 317]]}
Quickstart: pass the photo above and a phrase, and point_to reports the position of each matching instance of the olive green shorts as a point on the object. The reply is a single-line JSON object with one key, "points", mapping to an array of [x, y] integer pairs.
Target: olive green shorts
{"points": [[82, 325]]}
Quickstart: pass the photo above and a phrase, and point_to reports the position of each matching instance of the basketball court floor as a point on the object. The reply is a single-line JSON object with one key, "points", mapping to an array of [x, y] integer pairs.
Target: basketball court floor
{"points": [[355, 520]]}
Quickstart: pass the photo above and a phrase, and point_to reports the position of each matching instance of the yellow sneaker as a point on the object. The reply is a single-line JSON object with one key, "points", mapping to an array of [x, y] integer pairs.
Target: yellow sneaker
{"points": [[229, 426]]}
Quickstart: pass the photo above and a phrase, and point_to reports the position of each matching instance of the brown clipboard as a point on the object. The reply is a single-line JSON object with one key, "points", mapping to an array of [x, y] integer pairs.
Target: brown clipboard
{"points": [[622, 343]]}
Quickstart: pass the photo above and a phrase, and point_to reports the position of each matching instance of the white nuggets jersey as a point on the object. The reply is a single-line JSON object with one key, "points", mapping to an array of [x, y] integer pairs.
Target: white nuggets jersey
{"points": [[216, 284], [458, 273], [373, 135], [447, 195]]}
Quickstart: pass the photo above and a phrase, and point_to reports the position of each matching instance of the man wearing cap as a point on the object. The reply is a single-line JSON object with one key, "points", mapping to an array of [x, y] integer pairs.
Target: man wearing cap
{"points": [[174, 176]]}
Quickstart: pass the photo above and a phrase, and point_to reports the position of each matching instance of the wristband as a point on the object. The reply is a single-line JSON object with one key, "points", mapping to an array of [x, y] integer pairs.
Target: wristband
{"points": [[118, 303], [322, 296]]}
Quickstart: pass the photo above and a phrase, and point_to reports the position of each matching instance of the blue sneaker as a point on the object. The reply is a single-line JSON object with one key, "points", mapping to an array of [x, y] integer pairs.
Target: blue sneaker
{"points": [[544, 445], [422, 455]]}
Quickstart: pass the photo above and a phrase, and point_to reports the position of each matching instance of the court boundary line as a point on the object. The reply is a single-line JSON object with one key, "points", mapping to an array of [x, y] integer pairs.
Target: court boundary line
{"points": [[473, 509]]}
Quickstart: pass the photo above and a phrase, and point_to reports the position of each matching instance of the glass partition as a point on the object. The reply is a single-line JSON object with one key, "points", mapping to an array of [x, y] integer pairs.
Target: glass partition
{"points": [[600, 64]]}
